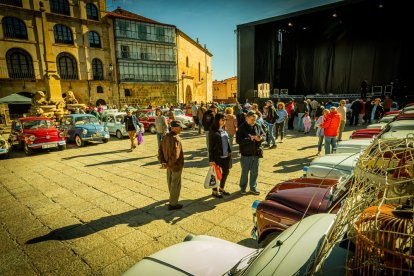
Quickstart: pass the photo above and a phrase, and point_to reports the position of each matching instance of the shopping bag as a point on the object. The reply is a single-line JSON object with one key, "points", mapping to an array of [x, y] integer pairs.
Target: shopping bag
{"points": [[211, 180], [140, 138], [218, 172]]}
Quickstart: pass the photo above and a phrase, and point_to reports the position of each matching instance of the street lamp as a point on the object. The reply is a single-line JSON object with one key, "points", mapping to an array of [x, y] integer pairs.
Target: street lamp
{"points": [[182, 83]]}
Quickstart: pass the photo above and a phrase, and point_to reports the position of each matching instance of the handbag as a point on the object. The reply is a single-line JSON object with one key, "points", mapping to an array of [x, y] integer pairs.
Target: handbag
{"points": [[140, 138], [211, 180]]}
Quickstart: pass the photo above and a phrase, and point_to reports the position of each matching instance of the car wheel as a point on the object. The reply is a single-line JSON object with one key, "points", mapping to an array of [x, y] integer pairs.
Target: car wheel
{"points": [[105, 140], [78, 141], [28, 151], [119, 134], [152, 129], [61, 147], [269, 237]]}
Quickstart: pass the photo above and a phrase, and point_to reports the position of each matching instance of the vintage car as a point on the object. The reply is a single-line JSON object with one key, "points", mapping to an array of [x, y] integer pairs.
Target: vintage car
{"points": [[147, 118], [353, 145], [36, 133], [365, 133], [5, 147], [290, 201], [332, 166], [113, 121], [289, 254], [83, 127], [186, 121]]}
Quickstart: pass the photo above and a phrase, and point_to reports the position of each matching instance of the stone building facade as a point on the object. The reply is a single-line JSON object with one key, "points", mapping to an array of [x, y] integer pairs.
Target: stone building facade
{"points": [[225, 90], [57, 46], [157, 63]]}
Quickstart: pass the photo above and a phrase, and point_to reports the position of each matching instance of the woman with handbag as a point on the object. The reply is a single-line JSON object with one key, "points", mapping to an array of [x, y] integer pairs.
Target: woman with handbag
{"points": [[220, 152]]}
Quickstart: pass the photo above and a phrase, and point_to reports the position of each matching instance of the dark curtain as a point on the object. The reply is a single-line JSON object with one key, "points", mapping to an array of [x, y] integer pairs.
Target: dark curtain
{"points": [[333, 55]]}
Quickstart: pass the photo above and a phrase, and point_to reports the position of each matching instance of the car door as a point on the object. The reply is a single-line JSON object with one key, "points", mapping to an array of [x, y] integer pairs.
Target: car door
{"points": [[110, 123], [67, 126]]}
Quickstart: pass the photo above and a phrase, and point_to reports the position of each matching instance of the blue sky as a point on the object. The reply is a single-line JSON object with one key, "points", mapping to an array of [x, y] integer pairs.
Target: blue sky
{"points": [[213, 22]]}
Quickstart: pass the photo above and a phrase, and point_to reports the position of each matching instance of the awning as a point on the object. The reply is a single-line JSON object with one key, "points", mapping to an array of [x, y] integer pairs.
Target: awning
{"points": [[16, 99]]}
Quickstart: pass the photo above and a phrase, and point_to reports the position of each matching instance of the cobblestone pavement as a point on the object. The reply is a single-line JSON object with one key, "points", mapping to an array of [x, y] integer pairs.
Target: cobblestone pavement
{"points": [[99, 209]]}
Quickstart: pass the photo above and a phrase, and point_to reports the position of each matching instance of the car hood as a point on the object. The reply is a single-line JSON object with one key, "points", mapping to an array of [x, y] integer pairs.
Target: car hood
{"points": [[91, 127], [298, 194], [341, 161], [42, 132], [202, 255]]}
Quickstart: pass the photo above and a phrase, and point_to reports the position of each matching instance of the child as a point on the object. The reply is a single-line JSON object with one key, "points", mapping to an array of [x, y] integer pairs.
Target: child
{"points": [[307, 122]]}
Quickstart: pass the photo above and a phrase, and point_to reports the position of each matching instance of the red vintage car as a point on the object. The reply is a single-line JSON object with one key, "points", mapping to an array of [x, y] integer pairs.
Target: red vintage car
{"points": [[365, 133], [36, 133], [147, 118], [290, 201]]}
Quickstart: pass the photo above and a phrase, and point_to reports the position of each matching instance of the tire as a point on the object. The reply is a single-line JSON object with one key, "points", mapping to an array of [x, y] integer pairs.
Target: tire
{"points": [[61, 147], [268, 238], [152, 129], [105, 140], [28, 151], [78, 141], [119, 134]]}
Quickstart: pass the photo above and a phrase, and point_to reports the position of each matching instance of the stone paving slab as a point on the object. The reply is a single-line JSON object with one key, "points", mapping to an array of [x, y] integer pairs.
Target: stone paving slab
{"points": [[99, 209]]}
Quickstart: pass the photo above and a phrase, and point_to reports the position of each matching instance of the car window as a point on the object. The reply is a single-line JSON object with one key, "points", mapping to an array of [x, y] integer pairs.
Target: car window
{"points": [[118, 118], [151, 113], [36, 124], [82, 120], [178, 112]]}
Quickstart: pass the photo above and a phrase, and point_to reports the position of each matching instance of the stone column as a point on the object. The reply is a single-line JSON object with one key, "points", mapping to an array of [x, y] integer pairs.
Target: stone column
{"points": [[52, 78]]}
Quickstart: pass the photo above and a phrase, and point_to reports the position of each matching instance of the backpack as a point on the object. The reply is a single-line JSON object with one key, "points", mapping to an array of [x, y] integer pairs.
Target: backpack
{"points": [[272, 116]]}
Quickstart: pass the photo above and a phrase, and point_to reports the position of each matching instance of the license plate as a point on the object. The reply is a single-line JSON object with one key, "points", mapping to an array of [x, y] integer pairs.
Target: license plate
{"points": [[47, 146]]}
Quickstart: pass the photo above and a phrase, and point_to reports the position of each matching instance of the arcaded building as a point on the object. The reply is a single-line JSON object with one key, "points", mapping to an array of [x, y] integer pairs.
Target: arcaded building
{"points": [[225, 90], [57, 46]]}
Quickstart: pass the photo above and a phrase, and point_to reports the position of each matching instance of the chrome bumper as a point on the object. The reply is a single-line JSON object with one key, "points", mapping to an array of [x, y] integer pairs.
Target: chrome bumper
{"points": [[39, 145]]}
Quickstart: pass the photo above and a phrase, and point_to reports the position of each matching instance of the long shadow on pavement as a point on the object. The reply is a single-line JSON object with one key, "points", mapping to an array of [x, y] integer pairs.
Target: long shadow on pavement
{"points": [[135, 218], [95, 154], [293, 165]]}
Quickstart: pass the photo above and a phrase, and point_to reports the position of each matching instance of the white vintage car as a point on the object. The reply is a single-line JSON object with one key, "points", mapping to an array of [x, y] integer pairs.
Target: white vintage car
{"points": [[113, 121], [353, 145], [5, 147], [290, 253], [332, 166]]}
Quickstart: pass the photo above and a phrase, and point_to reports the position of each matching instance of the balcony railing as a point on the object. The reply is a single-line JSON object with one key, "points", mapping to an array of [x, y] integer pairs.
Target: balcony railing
{"points": [[146, 56], [19, 74], [17, 3], [134, 78]]}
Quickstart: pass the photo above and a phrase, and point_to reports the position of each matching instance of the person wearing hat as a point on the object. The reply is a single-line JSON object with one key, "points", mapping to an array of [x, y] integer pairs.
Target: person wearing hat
{"points": [[131, 126], [250, 136], [171, 157], [377, 111]]}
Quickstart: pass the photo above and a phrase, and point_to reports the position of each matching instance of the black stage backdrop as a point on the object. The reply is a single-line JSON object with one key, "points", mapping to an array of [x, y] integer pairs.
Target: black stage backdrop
{"points": [[321, 53]]}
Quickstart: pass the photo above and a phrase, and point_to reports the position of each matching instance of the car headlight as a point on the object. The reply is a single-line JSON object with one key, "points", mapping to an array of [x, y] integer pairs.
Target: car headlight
{"points": [[61, 134], [32, 138], [85, 131], [105, 128], [254, 206]]}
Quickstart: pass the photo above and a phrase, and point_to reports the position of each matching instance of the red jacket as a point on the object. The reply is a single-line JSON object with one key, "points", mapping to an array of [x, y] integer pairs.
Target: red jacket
{"points": [[331, 123]]}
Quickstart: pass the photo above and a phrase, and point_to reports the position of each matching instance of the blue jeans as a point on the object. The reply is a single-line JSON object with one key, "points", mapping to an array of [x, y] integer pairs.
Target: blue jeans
{"points": [[249, 163], [231, 139], [320, 142], [330, 141], [271, 134], [159, 138]]}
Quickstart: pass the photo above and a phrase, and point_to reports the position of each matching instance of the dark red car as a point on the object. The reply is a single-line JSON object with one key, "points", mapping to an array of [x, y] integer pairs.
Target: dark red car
{"points": [[365, 133], [290, 201], [36, 133], [147, 118]]}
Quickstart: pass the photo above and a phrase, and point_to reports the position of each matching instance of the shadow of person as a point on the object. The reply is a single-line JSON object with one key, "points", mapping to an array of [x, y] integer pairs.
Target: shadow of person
{"points": [[135, 218]]}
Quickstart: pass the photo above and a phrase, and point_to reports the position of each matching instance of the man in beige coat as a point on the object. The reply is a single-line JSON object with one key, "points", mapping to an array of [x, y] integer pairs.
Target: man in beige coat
{"points": [[342, 111]]}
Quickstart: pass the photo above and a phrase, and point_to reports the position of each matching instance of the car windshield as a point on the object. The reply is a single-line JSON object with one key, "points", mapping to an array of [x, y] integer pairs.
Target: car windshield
{"points": [[83, 120], [35, 124], [178, 112], [118, 118]]}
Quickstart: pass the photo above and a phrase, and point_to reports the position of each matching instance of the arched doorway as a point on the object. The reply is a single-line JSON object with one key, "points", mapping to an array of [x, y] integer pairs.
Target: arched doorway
{"points": [[188, 95], [100, 101]]}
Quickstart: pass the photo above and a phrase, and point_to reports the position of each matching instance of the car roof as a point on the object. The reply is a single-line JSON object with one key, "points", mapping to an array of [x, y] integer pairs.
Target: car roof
{"points": [[79, 115], [34, 119]]}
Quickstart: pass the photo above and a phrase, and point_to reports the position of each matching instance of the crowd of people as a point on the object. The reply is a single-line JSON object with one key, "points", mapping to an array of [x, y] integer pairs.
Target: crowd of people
{"points": [[254, 130]]}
